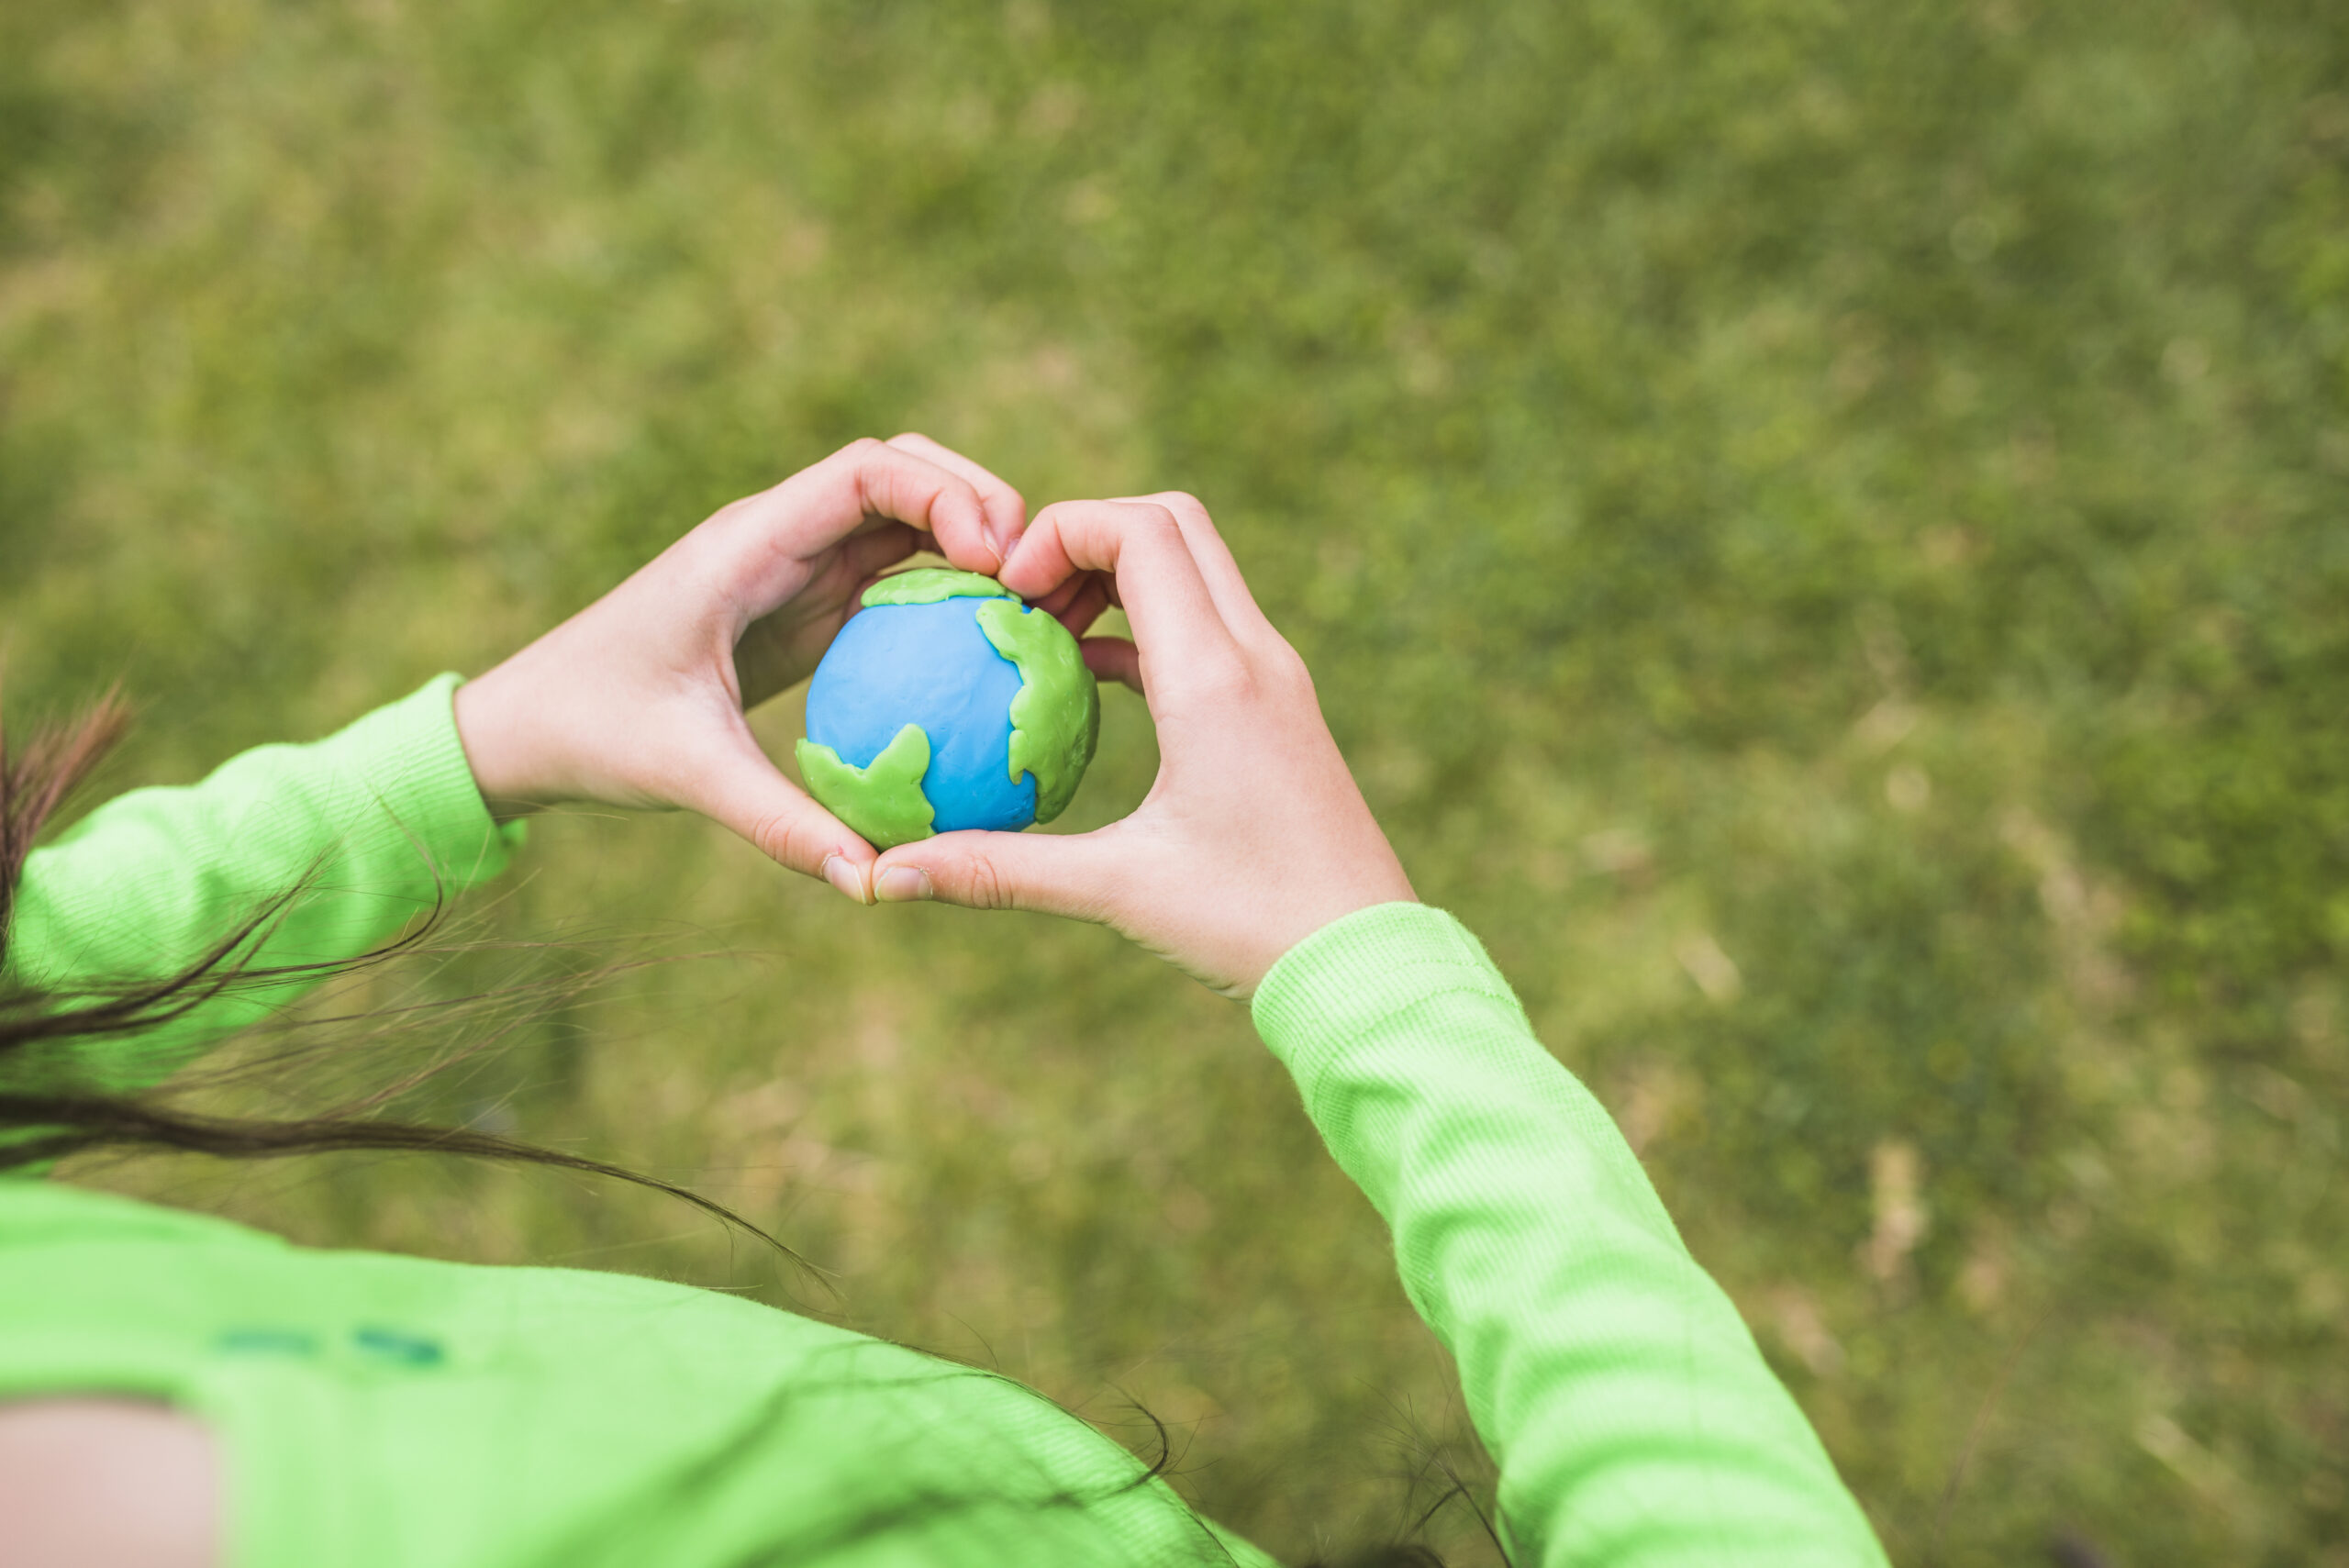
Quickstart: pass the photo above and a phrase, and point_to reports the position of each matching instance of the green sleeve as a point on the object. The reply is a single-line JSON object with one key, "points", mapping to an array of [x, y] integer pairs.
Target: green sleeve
{"points": [[1632, 1417], [375, 824]]}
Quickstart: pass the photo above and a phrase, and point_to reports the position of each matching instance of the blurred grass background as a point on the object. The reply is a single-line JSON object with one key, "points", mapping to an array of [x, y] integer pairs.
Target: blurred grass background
{"points": [[1819, 525]]}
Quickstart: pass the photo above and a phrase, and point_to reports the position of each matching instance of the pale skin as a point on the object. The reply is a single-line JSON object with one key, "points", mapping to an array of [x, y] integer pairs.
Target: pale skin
{"points": [[1252, 837]]}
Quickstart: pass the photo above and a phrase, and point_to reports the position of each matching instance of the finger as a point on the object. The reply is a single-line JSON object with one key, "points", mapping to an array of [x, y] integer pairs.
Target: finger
{"points": [[760, 546], [775, 650], [1112, 659], [1173, 617], [1078, 603], [1085, 608], [737, 786], [1006, 512], [864, 558], [1044, 873], [881, 480], [867, 555], [1223, 572], [1059, 598]]}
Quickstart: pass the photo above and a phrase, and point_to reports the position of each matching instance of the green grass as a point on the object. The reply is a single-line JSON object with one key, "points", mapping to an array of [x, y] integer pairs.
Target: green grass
{"points": [[1819, 525]]}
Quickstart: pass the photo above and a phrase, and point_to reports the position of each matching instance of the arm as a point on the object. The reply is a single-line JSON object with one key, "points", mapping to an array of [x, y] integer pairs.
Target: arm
{"points": [[1632, 1418], [638, 700], [374, 826]]}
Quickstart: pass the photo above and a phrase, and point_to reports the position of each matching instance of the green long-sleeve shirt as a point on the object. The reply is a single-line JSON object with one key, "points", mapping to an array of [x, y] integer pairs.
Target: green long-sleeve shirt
{"points": [[392, 1411]]}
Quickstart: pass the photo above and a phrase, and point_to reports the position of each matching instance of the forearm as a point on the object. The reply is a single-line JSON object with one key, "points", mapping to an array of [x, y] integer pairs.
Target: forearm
{"points": [[1632, 1418], [341, 842]]}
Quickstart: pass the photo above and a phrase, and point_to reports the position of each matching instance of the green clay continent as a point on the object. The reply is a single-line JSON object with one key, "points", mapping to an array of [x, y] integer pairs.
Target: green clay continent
{"points": [[1056, 718], [882, 801], [929, 585]]}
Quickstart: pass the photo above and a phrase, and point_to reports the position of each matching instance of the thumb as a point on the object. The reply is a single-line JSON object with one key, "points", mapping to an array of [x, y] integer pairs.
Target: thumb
{"points": [[1049, 873], [737, 786]]}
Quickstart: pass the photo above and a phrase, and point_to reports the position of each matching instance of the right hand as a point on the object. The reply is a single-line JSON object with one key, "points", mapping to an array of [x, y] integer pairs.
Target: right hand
{"points": [[638, 699], [1254, 835]]}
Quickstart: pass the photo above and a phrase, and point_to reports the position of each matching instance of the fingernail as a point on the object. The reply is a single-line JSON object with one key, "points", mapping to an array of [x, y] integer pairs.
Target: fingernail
{"points": [[846, 877], [903, 884]]}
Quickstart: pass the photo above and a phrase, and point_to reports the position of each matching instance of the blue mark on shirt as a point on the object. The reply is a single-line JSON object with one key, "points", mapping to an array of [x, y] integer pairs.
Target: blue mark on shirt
{"points": [[370, 1342], [397, 1347]]}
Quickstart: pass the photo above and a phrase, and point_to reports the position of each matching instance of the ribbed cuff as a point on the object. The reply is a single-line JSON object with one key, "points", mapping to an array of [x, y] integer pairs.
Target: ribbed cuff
{"points": [[407, 755], [1356, 973]]}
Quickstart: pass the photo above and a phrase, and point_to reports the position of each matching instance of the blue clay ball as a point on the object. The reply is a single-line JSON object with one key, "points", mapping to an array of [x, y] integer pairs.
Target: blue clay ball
{"points": [[927, 665]]}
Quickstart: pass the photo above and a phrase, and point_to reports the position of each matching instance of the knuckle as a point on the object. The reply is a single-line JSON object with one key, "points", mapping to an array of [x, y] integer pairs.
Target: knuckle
{"points": [[1298, 687], [983, 884], [861, 456], [1157, 524], [772, 834], [1281, 680], [1286, 663], [784, 837], [1226, 683]]}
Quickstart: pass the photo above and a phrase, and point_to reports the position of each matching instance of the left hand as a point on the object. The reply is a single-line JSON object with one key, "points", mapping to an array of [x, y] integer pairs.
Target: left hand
{"points": [[638, 699]]}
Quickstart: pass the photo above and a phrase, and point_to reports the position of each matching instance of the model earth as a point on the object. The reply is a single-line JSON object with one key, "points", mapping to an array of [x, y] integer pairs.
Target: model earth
{"points": [[946, 703]]}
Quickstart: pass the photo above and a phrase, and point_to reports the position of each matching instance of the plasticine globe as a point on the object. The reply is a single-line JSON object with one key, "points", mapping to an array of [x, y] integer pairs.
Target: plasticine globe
{"points": [[946, 703]]}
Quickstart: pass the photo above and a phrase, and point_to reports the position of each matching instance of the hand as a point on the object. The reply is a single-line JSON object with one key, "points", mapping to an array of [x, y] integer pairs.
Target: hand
{"points": [[638, 699], [1254, 835]]}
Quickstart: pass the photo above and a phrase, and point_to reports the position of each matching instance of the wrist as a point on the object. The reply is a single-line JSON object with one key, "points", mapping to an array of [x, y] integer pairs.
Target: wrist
{"points": [[1381, 882], [492, 731]]}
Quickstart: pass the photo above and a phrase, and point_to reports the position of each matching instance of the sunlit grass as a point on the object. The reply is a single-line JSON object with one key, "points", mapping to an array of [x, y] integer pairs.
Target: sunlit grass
{"points": [[1819, 527]]}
